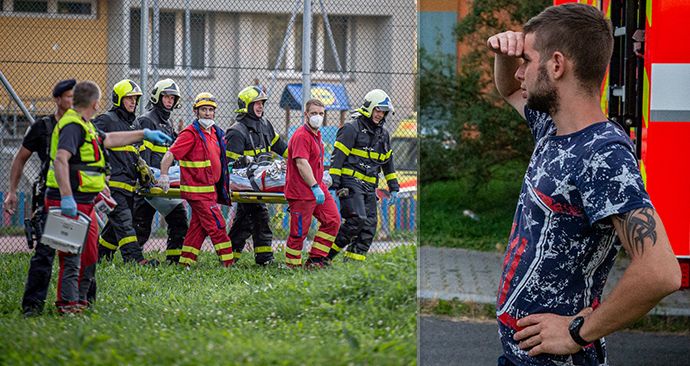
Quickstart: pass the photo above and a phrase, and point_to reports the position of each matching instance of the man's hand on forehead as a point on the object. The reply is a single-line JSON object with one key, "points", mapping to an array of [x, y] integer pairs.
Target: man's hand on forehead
{"points": [[507, 43]]}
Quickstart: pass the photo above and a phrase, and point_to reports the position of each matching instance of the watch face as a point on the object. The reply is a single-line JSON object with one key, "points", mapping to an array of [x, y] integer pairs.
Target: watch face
{"points": [[576, 323]]}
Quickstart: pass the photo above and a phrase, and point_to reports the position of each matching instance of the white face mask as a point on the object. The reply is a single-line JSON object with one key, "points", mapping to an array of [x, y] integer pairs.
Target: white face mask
{"points": [[206, 123], [315, 121]]}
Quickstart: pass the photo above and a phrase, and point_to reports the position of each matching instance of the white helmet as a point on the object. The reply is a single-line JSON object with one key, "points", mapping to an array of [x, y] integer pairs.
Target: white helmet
{"points": [[165, 87], [376, 98]]}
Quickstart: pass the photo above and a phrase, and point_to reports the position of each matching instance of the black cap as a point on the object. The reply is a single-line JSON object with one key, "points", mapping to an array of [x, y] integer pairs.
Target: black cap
{"points": [[63, 86]]}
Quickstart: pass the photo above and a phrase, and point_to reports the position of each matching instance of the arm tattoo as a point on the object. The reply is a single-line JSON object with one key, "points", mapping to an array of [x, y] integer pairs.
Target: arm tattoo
{"points": [[637, 227]]}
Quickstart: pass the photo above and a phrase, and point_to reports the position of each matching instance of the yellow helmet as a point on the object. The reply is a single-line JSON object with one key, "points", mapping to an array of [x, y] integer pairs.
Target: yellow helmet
{"points": [[205, 99], [247, 96], [125, 88], [165, 87], [376, 98]]}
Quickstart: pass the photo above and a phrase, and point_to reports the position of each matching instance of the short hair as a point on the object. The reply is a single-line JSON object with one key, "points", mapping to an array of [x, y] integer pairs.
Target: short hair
{"points": [[312, 102], [581, 33], [85, 93]]}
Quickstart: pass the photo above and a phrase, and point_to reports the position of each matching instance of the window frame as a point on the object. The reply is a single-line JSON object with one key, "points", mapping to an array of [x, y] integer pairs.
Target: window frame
{"points": [[318, 61], [178, 70], [52, 13]]}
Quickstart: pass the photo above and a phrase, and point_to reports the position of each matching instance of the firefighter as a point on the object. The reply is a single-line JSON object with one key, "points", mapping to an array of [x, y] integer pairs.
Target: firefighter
{"points": [[252, 135], [203, 181], [304, 191], [37, 140], [75, 176], [119, 231], [165, 97], [362, 148]]}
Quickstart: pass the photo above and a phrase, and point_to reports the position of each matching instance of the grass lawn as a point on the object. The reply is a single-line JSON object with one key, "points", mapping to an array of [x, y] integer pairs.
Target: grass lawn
{"points": [[349, 314], [443, 224]]}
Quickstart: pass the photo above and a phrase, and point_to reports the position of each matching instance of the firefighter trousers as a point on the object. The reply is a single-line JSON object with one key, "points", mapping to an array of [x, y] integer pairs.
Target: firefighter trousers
{"points": [[207, 220], [77, 273], [119, 231], [177, 227], [251, 219], [358, 211], [301, 213]]}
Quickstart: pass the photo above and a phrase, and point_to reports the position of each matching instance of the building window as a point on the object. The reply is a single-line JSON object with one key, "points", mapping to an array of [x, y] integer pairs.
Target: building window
{"points": [[171, 45], [322, 58], [51, 7]]}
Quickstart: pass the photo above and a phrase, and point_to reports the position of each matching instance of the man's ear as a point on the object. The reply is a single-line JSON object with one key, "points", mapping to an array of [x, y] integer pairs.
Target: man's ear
{"points": [[558, 65]]}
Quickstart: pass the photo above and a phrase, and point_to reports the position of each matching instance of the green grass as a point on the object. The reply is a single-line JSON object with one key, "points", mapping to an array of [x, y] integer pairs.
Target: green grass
{"points": [[349, 314], [443, 224]]}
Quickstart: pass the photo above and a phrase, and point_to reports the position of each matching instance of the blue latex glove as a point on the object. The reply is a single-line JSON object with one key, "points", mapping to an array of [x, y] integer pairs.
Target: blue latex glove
{"points": [[393, 198], [318, 194], [157, 137], [68, 206]]}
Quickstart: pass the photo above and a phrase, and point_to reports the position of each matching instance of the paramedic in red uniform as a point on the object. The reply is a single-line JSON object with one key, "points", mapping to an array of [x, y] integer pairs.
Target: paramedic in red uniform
{"points": [[200, 149], [304, 191]]}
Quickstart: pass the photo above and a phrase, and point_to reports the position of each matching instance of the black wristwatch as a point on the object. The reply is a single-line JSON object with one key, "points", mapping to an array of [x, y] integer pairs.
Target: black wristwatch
{"points": [[574, 329]]}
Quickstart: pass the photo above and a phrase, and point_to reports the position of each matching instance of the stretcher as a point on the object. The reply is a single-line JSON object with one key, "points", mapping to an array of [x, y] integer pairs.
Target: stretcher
{"points": [[236, 196]]}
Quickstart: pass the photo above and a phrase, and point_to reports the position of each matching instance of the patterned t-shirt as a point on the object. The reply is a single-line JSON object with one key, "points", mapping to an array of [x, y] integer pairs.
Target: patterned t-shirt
{"points": [[562, 246]]}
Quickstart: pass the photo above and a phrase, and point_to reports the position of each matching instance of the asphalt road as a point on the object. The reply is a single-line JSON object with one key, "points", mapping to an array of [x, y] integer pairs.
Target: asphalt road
{"points": [[447, 342]]}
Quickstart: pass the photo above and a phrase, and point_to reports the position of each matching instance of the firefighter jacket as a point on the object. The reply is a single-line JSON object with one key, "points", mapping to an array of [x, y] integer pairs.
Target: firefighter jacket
{"points": [[87, 169], [123, 159], [361, 150], [195, 169], [249, 136], [155, 118]]}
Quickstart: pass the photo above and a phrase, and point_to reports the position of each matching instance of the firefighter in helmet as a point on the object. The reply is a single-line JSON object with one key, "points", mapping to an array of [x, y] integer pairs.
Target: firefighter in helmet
{"points": [[119, 232], [252, 135], [165, 96], [361, 150]]}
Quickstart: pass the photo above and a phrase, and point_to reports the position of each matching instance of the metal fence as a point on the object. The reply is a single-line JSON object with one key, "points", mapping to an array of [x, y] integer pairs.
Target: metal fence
{"points": [[219, 47]]}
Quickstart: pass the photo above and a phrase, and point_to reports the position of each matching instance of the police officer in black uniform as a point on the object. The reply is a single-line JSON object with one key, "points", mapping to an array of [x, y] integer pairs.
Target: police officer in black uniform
{"points": [[165, 97], [37, 140], [252, 135], [119, 232], [362, 149]]}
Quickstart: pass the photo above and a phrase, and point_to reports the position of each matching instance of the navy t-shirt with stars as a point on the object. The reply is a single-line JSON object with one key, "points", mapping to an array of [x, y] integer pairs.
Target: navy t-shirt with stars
{"points": [[562, 244]]}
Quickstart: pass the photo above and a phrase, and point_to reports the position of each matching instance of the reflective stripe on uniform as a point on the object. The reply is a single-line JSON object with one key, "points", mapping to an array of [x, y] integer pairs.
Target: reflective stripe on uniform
{"points": [[320, 246], [294, 261], [336, 248], [275, 139], [237, 255], [221, 246], [340, 146], [188, 249], [197, 189], [121, 185], [371, 154], [285, 154], [328, 237], [195, 164], [155, 148], [391, 176], [171, 252], [226, 257], [232, 155], [104, 243], [358, 175], [185, 260], [334, 171], [295, 252], [263, 249], [127, 148], [355, 256], [127, 240], [254, 152]]}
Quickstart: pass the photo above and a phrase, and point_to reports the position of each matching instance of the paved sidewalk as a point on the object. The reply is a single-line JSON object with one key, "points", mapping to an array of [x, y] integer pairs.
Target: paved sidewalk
{"points": [[466, 275]]}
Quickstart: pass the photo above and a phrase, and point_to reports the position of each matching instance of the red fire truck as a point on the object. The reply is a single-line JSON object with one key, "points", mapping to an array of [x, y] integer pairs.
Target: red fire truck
{"points": [[647, 91]]}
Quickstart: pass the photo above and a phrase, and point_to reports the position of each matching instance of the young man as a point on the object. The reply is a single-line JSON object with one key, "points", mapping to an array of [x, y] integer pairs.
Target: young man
{"points": [[119, 231], [252, 135], [75, 176], [582, 197], [165, 97], [304, 191], [203, 181], [362, 150], [37, 140]]}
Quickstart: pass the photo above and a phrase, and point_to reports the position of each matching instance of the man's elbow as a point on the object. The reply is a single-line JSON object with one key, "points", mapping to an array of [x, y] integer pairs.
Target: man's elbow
{"points": [[667, 277]]}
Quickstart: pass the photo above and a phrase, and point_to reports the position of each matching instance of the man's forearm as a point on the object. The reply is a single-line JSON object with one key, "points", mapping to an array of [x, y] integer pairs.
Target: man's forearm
{"points": [[122, 138], [166, 162], [504, 74], [18, 167], [62, 175], [305, 171]]}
